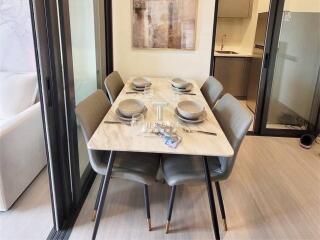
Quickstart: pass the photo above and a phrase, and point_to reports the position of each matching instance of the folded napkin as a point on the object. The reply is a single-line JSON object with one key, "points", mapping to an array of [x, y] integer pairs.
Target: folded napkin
{"points": [[173, 141]]}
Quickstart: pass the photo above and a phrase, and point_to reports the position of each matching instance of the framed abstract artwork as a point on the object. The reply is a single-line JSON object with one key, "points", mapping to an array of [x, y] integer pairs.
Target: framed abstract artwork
{"points": [[164, 24]]}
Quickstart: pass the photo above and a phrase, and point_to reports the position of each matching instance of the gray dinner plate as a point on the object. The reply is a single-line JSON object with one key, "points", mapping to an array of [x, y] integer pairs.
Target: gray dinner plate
{"points": [[179, 83], [130, 107], [190, 109], [128, 119], [141, 82], [140, 89], [198, 120], [187, 89]]}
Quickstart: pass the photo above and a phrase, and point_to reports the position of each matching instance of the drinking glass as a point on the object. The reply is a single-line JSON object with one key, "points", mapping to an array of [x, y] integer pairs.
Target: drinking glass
{"points": [[176, 96], [159, 107], [137, 123], [148, 93]]}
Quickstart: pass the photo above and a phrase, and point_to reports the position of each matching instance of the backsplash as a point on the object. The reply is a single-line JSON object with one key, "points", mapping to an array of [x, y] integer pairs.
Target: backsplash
{"points": [[16, 39]]}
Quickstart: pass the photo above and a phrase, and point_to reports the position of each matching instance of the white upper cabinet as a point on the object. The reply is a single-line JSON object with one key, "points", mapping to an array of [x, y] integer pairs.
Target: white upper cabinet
{"points": [[235, 8]]}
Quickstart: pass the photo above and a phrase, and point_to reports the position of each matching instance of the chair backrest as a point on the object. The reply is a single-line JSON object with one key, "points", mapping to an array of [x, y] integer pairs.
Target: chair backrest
{"points": [[212, 90], [235, 121], [114, 85], [90, 112]]}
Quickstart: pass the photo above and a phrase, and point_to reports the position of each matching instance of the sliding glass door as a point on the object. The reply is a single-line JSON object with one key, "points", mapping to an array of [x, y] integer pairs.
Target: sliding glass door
{"points": [[292, 94], [72, 57], [81, 80]]}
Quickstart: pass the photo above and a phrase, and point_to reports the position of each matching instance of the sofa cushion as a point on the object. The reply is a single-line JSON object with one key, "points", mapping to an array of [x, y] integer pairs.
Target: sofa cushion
{"points": [[17, 92]]}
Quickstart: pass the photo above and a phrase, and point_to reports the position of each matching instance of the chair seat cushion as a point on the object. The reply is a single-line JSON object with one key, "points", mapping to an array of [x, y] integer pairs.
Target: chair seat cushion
{"points": [[137, 167], [183, 169]]}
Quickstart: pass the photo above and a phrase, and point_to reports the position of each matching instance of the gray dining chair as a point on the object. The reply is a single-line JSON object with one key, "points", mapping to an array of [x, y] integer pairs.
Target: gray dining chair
{"points": [[234, 120], [114, 84], [138, 167], [212, 90]]}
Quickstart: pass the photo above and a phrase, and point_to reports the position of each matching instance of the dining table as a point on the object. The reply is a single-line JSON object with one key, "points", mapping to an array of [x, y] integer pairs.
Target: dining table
{"points": [[122, 137]]}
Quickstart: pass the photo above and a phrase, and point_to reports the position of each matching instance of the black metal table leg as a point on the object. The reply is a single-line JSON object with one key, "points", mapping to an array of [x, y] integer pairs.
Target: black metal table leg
{"points": [[220, 199], [170, 207], [103, 194], [94, 214], [211, 199], [147, 205]]}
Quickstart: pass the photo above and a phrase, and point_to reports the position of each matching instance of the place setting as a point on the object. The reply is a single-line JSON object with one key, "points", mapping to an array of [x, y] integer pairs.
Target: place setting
{"points": [[181, 86], [129, 110], [139, 85], [132, 112], [191, 112]]}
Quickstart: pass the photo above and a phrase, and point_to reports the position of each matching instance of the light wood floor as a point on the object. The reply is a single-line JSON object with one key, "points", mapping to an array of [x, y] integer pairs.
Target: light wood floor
{"points": [[273, 193], [30, 218]]}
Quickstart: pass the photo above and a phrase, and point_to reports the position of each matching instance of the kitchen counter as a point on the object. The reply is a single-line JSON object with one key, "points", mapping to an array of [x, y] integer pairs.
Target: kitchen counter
{"points": [[240, 53]]}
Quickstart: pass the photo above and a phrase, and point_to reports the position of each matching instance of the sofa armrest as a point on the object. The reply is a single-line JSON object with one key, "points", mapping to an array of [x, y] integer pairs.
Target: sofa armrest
{"points": [[25, 118], [22, 153]]}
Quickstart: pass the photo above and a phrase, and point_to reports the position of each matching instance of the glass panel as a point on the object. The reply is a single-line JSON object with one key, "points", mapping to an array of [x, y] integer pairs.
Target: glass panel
{"points": [[296, 73], [84, 61]]}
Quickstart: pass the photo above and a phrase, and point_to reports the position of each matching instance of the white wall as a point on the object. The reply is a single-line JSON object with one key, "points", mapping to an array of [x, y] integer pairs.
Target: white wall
{"points": [[188, 64], [302, 5], [292, 5], [263, 5], [16, 39], [240, 31]]}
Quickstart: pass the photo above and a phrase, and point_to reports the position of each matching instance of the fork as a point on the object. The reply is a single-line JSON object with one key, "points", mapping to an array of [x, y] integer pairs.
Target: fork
{"points": [[192, 94], [117, 122], [187, 130]]}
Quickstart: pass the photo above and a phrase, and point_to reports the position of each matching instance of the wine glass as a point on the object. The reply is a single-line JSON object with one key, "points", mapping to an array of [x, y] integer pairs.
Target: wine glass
{"points": [[148, 92], [137, 123]]}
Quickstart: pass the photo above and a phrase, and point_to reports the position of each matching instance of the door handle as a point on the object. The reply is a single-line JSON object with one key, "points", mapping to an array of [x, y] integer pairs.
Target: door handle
{"points": [[49, 92], [266, 60]]}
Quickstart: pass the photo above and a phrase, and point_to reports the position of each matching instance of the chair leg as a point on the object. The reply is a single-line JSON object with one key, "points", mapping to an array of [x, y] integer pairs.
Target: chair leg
{"points": [[103, 194], [170, 207], [94, 213], [147, 205], [220, 199], [213, 212]]}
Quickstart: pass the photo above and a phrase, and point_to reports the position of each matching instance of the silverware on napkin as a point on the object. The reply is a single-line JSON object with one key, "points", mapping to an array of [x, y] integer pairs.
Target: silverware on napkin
{"points": [[132, 92]]}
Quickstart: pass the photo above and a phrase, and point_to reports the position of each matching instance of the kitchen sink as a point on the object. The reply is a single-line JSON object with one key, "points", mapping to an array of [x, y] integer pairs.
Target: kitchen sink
{"points": [[227, 52]]}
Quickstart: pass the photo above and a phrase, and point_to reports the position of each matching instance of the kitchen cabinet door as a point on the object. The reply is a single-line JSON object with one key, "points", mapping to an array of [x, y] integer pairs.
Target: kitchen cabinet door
{"points": [[233, 74], [235, 8]]}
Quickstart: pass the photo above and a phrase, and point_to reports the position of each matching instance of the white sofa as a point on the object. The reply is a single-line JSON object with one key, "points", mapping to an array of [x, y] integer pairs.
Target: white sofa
{"points": [[22, 147]]}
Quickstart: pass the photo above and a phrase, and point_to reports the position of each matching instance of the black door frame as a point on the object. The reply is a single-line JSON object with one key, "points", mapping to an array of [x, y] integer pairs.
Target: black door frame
{"points": [[109, 36], [52, 100], [267, 79], [54, 60], [267, 62], [262, 85], [268, 65], [214, 33]]}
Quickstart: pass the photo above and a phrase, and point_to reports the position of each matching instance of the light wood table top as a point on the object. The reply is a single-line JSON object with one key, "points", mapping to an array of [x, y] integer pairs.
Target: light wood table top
{"points": [[115, 137]]}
